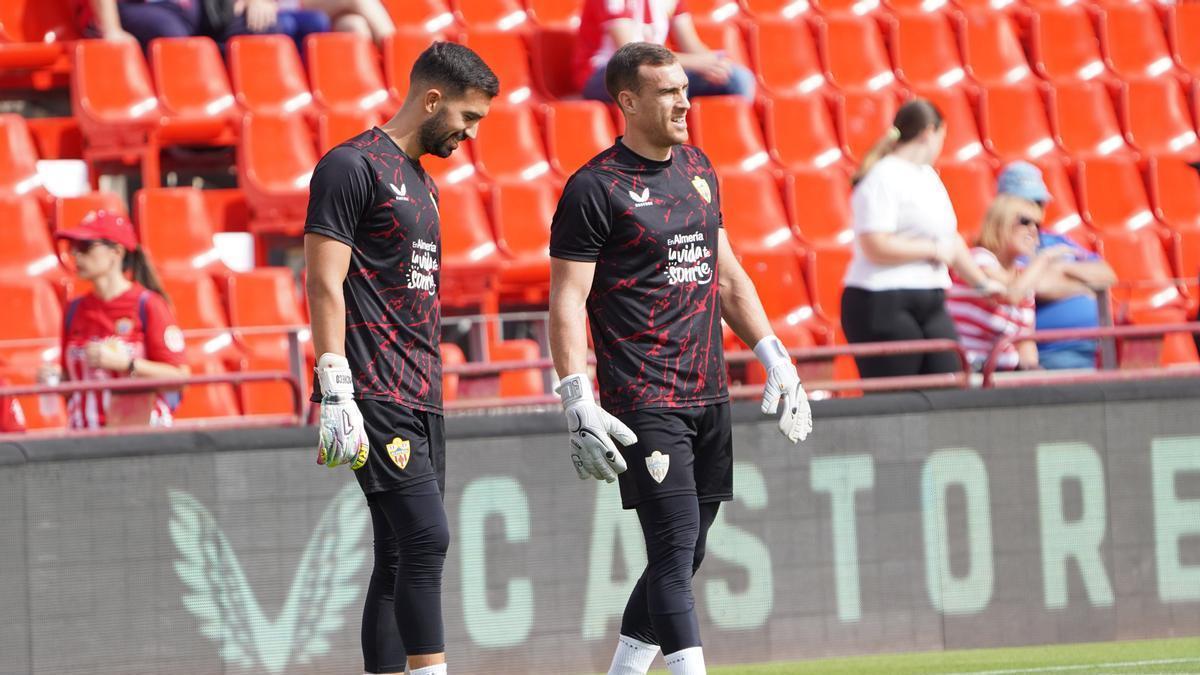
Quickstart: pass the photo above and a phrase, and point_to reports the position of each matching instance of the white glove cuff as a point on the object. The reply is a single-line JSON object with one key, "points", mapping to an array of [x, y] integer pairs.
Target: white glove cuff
{"points": [[333, 374], [574, 389], [771, 352]]}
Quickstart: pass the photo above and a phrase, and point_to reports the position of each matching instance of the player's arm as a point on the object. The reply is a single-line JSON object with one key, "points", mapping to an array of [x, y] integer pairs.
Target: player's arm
{"points": [[570, 283], [327, 260], [341, 191], [743, 311]]}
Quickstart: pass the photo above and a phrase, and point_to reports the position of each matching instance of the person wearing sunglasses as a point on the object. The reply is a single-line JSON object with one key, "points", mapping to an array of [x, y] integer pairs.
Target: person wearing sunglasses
{"points": [[1009, 236], [122, 328], [1066, 295]]}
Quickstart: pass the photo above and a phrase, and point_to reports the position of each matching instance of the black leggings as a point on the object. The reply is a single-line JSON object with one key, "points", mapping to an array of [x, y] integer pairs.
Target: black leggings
{"points": [[907, 314], [661, 609], [403, 612]]}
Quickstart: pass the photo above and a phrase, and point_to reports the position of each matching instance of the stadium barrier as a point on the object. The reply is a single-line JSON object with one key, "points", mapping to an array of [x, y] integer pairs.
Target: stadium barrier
{"points": [[908, 521]]}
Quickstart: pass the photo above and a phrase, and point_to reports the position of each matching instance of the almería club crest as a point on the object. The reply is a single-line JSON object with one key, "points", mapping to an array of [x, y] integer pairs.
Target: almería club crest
{"points": [[658, 465], [399, 451], [701, 186]]}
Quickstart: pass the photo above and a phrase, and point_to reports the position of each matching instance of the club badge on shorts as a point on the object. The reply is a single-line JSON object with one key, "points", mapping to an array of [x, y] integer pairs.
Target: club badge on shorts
{"points": [[701, 186], [399, 451], [658, 465]]}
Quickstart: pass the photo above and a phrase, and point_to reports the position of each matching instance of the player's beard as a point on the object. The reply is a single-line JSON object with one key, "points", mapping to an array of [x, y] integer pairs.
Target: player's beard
{"points": [[437, 138]]}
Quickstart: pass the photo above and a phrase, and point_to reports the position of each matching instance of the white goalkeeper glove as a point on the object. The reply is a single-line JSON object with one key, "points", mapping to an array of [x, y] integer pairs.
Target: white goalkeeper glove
{"points": [[783, 381], [342, 437], [590, 426]]}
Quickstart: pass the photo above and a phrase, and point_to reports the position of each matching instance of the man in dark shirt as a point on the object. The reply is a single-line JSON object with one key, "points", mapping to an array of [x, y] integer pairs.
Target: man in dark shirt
{"points": [[637, 249], [372, 244]]}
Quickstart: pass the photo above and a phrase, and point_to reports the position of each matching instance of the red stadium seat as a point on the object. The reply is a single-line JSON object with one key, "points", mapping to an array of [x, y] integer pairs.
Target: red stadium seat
{"points": [[522, 211], [1086, 120], [925, 50], [801, 132], [554, 13], [727, 129], [993, 50], [962, 133], [1175, 193], [471, 260], [848, 7], [1155, 115], [343, 69], [1064, 45], [334, 128], [855, 54], [506, 54], [827, 269], [177, 232], [771, 10], [781, 287], [499, 14], [207, 401], [509, 145], [726, 37], [787, 57], [819, 202], [1146, 292], [1112, 195], [33, 36], [275, 162], [429, 16], [194, 92], [68, 211], [714, 11], [32, 312], [264, 297], [267, 75], [197, 306], [18, 158], [400, 52], [971, 186], [1014, 123], [1134, 41], [755, 218], [551, 52], [523, 382], [863, 118], [28, 250], [987, 6], [1183, 26], [452, 355], [916, 6], [576, 131], [113, 100]]}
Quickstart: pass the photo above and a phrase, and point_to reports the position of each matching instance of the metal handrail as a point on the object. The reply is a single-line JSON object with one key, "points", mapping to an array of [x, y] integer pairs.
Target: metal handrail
{"points": [[1157, 330]]}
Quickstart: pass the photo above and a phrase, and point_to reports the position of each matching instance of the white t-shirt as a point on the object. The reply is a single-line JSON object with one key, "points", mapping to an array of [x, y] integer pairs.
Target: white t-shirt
{"points": [[906, 199]]}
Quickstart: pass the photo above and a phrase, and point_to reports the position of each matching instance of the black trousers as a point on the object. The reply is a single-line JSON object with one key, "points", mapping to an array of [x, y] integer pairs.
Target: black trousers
{"points": [[905, 314]]}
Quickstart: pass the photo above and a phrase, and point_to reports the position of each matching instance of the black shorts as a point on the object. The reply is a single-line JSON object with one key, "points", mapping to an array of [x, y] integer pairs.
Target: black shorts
{"points": [[408, 448], [680, 451]]}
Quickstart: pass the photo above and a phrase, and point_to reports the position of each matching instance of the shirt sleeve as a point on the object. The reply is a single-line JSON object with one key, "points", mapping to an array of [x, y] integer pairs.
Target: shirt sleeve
{"points": [[874, 206], [340, 192], [582, 221], [164, 340], [1081, 253]]}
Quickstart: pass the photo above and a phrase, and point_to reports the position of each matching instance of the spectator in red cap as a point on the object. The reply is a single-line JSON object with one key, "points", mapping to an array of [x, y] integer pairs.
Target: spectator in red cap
{"points": [[123, 328]]}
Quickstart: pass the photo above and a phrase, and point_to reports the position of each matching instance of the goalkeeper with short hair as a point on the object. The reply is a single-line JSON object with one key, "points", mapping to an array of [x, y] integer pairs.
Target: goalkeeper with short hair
{"points": [[637, 249]]}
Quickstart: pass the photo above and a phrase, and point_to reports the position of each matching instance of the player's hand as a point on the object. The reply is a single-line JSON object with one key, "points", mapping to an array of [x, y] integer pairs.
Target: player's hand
{"points": [[783, 381], [590, 426], [342, 437], [261, 15]]}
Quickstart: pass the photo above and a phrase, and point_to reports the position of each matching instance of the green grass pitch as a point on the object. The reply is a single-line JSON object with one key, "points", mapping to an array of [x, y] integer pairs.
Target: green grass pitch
{"points": [[1180, 655]]}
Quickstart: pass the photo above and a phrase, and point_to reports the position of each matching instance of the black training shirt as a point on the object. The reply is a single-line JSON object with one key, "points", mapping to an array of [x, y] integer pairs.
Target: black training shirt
{"points": [[371, 196], [651, 228]]}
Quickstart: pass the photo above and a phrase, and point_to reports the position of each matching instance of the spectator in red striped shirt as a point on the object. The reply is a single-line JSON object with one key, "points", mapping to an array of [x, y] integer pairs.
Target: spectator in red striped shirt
{"points": [[1009, 235]]}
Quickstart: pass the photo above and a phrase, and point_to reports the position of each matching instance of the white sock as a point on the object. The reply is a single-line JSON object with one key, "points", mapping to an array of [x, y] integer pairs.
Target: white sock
{"points": [[688, 661], [439, 669], [633, 657]]}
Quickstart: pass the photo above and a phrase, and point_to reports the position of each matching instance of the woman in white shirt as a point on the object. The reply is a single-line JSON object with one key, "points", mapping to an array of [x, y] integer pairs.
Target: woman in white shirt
{"points": [[906, 238]]}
